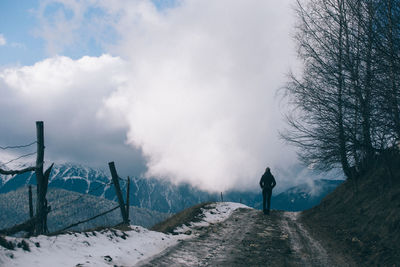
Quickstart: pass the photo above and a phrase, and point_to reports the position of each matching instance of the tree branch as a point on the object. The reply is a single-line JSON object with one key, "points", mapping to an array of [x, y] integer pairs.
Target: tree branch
{"points": [[15, 172]]}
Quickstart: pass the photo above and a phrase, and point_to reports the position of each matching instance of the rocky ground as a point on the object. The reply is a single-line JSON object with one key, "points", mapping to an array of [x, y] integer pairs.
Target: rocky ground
{"points": [[250, 238]]}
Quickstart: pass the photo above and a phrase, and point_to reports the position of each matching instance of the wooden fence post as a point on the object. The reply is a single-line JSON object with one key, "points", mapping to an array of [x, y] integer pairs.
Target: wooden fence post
{"points": [[42, 180], [30, 202], [127, 197], [46, 177], [40, 199], [115, 179], [31, 226]]}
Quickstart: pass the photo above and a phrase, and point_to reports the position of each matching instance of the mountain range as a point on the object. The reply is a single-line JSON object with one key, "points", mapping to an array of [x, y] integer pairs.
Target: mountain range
{"points": [[163, 196]]}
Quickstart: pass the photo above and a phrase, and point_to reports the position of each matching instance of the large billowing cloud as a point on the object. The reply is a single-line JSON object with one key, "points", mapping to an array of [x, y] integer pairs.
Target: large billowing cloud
{"points": [[201, 103], [193, 86]]}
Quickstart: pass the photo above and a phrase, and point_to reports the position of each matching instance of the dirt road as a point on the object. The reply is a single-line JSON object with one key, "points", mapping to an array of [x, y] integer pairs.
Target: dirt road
{"points": [[249, 238]]}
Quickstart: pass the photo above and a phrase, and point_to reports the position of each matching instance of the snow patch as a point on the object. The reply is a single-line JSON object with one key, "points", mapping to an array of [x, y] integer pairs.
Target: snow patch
{"points": [[106, 247], [97, 248], [211, 214]]}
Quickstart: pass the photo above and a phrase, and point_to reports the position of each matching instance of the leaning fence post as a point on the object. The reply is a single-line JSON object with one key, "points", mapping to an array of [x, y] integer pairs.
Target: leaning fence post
{"points": [[127, 197], [115, 179], [32, 228]]}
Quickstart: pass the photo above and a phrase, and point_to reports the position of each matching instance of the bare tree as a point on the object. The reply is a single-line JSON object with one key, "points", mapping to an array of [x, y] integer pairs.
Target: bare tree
{"points": [[346, 100], [388, 52], [318, 123]]}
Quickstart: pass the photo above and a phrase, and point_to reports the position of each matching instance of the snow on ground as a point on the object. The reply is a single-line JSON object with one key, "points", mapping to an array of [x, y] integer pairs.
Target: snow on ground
{"points": [[102, 248], [219, 212], [105, 247], [213, 213]]}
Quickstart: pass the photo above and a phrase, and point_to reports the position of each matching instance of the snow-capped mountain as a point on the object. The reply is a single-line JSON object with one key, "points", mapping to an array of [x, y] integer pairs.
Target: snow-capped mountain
{"points": [[297, 198], [304, 196], [155, 194], [163, 196]]}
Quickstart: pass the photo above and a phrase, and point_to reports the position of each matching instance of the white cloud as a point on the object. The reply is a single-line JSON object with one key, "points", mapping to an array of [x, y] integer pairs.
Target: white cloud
{"points": [[2, 40], [201, 99], [194, 86], [59, 23], [66, 94]]}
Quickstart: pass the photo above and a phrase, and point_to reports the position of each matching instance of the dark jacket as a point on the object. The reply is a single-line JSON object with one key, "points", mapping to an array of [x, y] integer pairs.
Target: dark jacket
{"points": [[267, 181]]}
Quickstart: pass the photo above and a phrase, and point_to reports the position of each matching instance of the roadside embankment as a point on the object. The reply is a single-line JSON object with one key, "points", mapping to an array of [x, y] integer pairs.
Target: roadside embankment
{"points": [[362, 218]]}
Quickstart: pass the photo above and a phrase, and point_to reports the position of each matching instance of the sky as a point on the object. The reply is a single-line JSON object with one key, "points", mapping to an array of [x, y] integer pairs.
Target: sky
{"points": [[185, 90]]}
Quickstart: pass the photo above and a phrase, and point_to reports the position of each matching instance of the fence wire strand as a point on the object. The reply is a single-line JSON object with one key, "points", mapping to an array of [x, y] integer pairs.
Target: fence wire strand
{"points": [[15, 147], [92, 218], [80, 197], [78, 211], [20, 157]]}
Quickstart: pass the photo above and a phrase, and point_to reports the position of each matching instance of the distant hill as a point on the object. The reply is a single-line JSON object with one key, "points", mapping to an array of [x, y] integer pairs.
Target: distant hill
{"points": [[14, 209], [297, 198], [304, 196], [163, 196]]}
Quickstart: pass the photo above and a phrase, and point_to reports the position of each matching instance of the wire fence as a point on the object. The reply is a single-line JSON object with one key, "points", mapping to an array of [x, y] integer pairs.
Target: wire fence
{"points": [[17, 158], [14, 147], [78, 214], [81, 197], [41, 216], [89, 219], [18, 146]]}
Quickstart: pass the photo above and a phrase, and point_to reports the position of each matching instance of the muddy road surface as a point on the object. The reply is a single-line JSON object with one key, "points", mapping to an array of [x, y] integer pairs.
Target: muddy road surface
{"points": [[249, 238]]}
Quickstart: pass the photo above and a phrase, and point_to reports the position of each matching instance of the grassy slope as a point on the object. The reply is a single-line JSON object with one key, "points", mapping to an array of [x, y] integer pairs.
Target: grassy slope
{"points": [[365, 223], [184, 217], [14, 210]]}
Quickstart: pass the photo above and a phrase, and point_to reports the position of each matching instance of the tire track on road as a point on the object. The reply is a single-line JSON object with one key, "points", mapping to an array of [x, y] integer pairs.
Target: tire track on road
{"points": [[247, 238]]}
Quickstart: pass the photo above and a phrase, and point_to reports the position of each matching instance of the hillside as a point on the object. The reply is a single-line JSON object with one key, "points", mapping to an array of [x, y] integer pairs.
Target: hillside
{"points": [[364, 219], [14, 209]]}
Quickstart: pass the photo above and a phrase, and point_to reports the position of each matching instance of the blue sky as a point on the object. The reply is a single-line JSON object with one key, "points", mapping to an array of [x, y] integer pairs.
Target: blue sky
{"points": [[19, 23]]}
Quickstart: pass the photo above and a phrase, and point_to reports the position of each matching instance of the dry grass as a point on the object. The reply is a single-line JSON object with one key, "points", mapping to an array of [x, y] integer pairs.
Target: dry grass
{"points": [[186, 216], [120, 226], [365, 222]]}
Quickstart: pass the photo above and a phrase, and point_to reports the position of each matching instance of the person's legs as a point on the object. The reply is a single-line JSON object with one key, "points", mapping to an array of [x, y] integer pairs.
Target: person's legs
{"points": [[268, 195], [264, 193]]}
